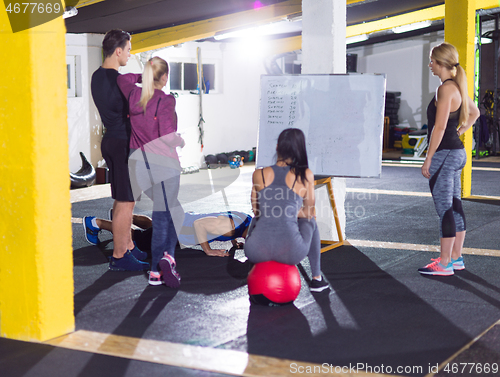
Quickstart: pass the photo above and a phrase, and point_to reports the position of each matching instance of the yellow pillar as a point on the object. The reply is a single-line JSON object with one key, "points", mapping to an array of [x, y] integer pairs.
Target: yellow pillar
{"points": [[459, 30], [36, 268]]}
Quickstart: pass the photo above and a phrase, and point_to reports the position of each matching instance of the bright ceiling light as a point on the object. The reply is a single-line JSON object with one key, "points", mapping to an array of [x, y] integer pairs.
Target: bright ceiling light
{"points": [[411, 27], [258, 31], [70, 12], [356, 39], [294, 17], [245, 33]]}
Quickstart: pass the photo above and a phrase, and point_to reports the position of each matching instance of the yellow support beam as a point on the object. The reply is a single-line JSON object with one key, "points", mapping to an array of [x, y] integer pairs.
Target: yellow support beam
{"points": [[487, 4], [460, 31], [36, 268], [208, 28], [431, 14], [280, 46]]}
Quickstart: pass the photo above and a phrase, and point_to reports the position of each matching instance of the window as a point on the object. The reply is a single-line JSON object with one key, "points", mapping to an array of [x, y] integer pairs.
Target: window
{"points": [[184, 76], [175, 76], [352, 62], [209, 76], [190, 76], [71, 76], [293, 68]]}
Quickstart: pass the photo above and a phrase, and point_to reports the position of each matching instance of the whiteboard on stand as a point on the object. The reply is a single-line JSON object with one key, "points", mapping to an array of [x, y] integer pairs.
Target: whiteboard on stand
{"points": [[342, 117]]}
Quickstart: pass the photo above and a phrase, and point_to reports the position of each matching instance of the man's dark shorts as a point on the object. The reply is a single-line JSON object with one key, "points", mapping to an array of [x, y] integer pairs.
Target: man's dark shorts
{"points": [[115, 152]]}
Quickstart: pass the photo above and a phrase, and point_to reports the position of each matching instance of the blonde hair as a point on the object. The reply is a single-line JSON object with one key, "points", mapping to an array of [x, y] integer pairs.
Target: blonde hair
{"points": [[154, 69], [446, 55]]}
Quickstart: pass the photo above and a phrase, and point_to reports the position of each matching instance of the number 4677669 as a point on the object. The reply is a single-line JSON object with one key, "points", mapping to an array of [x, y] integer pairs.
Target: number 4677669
{"points": [[471, 368], [32, 8]]}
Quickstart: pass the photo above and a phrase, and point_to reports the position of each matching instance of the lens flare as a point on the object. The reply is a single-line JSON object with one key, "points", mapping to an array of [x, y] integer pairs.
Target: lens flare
{"points": [[257, 4]]}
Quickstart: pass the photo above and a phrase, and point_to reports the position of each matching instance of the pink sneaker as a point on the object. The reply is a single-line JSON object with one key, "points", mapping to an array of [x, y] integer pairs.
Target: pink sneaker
{"points": [[436, 268], [458, 264], [155, 278], [170, 276]]}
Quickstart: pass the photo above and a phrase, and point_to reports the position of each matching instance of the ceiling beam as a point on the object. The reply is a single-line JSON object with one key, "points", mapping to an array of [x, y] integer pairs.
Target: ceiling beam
{"points": [[487, 4], [428, 14], [83, 3], [208, 28], [282, 45]]}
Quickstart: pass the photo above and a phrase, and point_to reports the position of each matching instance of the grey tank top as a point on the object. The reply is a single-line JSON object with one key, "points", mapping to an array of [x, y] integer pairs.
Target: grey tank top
{"points": [[277, 202]]}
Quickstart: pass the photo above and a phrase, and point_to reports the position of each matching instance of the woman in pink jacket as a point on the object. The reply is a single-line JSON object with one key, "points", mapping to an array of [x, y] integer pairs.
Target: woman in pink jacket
{"points": [[154, 164]]}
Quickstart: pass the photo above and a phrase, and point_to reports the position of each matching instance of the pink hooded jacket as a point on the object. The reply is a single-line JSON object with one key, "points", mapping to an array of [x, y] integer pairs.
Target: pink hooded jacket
{"points": [[153, 131]]}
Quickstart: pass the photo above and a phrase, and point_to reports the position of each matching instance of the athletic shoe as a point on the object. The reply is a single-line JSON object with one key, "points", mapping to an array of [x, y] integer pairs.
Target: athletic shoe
{"points": [[91, 232], [110, 214], [138, 253], [458, 264], [155, 278], [127, 263], [436, 268], [318, 285], [170, 276]]}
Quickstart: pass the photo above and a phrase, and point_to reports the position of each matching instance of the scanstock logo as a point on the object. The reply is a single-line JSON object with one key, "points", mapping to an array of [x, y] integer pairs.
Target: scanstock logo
{"points": [[24, 15]]}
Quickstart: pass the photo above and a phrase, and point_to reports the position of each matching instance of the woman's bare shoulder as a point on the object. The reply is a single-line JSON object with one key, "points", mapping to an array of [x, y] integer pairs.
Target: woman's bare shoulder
{"points": [[266, 170], [309, 175], [447, 89], [259, 171], [257, 175]]}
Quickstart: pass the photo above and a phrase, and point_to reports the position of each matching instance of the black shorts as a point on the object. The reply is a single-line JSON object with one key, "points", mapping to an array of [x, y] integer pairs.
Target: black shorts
{"points": [[142, 238], [115, 152]]}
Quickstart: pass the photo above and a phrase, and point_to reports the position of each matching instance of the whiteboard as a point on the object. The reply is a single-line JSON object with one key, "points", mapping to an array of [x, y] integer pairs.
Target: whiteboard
{"points": [[342, 117]]}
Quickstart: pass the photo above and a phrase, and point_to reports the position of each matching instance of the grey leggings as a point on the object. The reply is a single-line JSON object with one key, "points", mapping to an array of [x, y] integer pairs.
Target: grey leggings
{"points": [[160, 183], [446, 167], [271, 245]]}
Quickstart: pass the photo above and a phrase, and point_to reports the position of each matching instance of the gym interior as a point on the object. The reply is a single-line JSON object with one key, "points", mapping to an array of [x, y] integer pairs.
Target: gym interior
{"points": [[63, 313]]}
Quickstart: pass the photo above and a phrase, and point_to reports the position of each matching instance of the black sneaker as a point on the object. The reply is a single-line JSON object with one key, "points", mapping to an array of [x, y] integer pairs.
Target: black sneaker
{"points": [[127, 263], [138, 253], [318, 285]]}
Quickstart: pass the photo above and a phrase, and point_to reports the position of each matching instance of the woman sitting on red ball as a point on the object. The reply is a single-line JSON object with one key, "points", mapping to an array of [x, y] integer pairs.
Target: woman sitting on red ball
{"points": [[284, 229]]}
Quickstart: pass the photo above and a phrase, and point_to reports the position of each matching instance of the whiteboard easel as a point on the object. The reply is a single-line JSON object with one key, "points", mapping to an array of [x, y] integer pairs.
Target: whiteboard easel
{"points": [[329, 187]]}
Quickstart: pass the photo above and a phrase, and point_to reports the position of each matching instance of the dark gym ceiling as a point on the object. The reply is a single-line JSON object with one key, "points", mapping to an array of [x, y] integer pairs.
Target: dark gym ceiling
{"points": [[145, 15]]}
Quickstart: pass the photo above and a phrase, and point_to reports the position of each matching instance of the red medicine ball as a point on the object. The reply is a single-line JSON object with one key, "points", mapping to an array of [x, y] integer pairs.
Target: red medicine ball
{"points": [[273, 283]]}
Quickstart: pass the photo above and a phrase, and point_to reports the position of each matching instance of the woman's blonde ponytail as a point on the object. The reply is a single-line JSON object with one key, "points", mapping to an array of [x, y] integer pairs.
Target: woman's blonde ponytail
{"points": [[148, 88], [154, 69], [446, 55], [461, 79]]}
